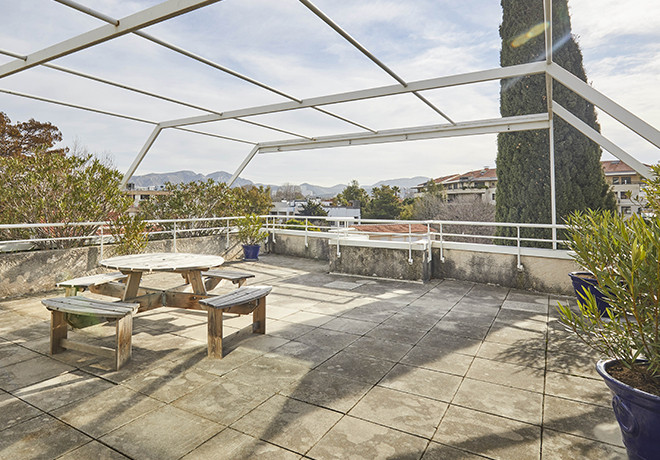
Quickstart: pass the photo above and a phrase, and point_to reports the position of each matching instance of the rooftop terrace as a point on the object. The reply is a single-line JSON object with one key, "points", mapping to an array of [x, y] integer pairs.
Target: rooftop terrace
{"points": [[348, 368]]}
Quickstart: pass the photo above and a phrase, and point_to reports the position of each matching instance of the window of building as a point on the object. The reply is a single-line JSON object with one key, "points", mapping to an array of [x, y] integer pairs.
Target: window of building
{"points": [[626, 180], [493, 197], [625, 210], [615, 180]]}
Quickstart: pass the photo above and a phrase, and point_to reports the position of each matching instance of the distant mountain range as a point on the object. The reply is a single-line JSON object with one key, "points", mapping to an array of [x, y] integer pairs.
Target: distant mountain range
{"points": [[178, 177]]}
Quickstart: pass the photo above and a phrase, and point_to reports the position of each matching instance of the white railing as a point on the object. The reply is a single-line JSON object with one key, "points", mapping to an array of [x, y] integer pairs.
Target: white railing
{"points": [[338, 231]]}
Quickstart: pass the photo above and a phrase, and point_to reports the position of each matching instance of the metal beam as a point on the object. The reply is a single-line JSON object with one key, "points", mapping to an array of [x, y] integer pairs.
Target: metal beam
{"points": [[604, 103], [138, 159], [508, 124], [433, 83], [320, 14], [144, 18], [208, 62], [245, 162], [601, 140], [76, 106]]}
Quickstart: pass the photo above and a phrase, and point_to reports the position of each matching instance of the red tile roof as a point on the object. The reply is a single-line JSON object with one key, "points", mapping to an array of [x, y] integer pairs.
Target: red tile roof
{"points": [[616, 167]]}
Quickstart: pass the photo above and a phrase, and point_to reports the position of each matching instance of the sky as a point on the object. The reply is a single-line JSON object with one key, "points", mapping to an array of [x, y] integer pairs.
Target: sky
{"points": [[284, 45]]}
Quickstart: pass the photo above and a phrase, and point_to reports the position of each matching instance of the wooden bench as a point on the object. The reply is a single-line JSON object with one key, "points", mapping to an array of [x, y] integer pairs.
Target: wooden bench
{"points": [[213, 277], [120, 312], [80, 284], [244, 300]]}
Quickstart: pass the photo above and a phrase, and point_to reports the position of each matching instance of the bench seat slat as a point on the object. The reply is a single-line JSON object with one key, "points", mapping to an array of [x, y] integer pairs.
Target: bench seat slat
{"points": [[227, 275], [239, 296], [86, 306], [92, 280]]}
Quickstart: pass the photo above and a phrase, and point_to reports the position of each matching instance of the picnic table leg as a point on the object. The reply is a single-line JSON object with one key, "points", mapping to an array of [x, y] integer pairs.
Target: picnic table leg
{"points": [[132, 285], [58, 331], [259, 317], [214, 333], [123, 346], [70, 291], [196, 281]]}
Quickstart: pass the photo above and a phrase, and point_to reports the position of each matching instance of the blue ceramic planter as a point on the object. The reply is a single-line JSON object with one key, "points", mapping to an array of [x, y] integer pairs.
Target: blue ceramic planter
{"points": [[585, 281], [251, 251], [638, 414]]}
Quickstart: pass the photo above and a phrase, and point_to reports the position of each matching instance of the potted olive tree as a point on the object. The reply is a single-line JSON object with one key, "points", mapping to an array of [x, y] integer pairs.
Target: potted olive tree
{"points": [[251, 235], [624, 257]]}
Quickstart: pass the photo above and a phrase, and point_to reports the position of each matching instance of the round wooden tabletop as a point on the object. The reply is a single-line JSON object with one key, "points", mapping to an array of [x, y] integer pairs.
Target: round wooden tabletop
{"points": [[163, 261]]}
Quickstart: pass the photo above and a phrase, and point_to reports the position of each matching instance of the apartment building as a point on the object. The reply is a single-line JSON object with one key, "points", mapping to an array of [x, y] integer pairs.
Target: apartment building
{"points": [[482, 184]]}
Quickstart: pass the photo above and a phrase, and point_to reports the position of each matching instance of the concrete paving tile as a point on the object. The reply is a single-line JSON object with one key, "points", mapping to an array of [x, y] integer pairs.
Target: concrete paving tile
{"points": [[326, 338], [229, 361], [11, 353], [327, 389], [102, 412], [352, 326], [61, 390], [422, 382], [375, 311], [223, 400], [489, 435], [358, 439], [530, 355], [384, 349], [93, 450], [25, 373], [509, 402], [430, 305], [276, 312], [581, 364], [288, 423], [42, 437], [271, 372], [15, 326], [247, 340], [15, 411], [436, 451], [450, 343], [476, 306], [523, 319], [304, 354], [166, 433], [286, 329], [438, 360], [356, 366], [168, 383], [562, 446], [514, 333], [230, 444], [580, 419], [308, 318], [462, 328], [410, 320], [513, 375], [396, 333], [481, 318], [581, 389], [403, 411]]}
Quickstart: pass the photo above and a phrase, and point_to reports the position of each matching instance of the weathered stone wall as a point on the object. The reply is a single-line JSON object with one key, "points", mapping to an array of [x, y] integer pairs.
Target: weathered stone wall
{"points": [[380, 262], [23, 273], [294, 245], [540, 274]]}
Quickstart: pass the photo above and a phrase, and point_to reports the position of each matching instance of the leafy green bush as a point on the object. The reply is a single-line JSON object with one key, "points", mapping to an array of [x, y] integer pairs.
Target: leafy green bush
{"points": [[249, 229], [129, 234]]}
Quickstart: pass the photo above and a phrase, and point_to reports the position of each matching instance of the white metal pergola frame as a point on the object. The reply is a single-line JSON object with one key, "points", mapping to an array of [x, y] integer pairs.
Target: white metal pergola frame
{"points": [[172, 8]]}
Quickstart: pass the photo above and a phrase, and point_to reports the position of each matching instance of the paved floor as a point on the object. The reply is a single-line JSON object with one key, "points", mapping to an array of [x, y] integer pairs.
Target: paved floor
{"points": [[349, 368]]}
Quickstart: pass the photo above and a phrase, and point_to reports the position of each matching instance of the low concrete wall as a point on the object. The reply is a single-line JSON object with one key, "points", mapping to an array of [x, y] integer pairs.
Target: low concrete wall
{"points": [[381, 263], [23, 273], [540, 274], [294, 245]]}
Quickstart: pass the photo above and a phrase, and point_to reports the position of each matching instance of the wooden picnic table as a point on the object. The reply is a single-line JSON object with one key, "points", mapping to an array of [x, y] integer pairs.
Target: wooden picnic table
{"points": [[190, 266]]}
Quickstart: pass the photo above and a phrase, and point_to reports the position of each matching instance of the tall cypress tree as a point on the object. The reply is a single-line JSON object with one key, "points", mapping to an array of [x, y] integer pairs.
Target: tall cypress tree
{"points": [[523, 158]]}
